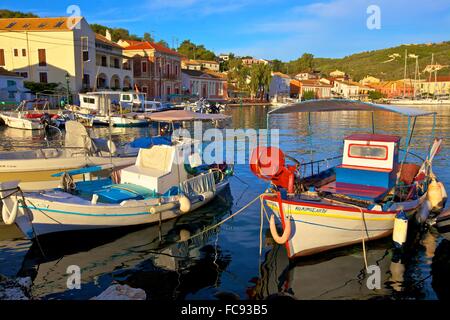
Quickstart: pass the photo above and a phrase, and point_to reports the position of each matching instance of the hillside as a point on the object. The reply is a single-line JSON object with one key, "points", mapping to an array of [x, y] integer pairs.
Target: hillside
{"points": [[371, 62]]}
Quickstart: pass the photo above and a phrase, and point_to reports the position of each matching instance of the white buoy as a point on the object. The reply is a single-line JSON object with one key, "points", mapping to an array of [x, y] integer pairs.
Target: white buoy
{"points": [[400, 229], [185, 204], [434, 195]]}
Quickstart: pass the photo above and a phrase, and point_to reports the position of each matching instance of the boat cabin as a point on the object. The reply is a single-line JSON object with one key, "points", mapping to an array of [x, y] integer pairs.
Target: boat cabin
{"points": [[369, 166]]}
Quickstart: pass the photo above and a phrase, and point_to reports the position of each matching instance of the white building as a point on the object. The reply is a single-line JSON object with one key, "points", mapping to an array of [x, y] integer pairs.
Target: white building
{"points": [[11, 87], [346, 89], [209, 85], [280, 85]]}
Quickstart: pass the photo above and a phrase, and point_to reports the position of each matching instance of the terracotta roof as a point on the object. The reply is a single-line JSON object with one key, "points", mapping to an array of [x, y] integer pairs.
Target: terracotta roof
{"points": [[105, 40], [310, 83], [39, 24], [4, 72], [279, 74], [145, 45], [197, 73]]}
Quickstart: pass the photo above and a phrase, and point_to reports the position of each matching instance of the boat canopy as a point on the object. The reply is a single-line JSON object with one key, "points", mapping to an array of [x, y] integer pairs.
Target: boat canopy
{"points": [[348, 105], [182, 115]]}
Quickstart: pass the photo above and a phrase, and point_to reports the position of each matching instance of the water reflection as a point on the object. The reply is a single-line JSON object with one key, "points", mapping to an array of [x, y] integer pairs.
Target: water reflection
{"points": [[153, 258]]}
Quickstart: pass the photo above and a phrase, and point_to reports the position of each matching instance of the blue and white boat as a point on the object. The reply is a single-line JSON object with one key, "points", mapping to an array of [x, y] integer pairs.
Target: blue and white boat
{"points": [[165, 182]]}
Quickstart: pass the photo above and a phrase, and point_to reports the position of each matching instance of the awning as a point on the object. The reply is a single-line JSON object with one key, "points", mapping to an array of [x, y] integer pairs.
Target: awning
{"points": [[181, 115], [348, 105]]}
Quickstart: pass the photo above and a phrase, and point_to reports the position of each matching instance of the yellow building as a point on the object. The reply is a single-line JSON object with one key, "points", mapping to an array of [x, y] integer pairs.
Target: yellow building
{"points": [[438, 86], [62, 50]]}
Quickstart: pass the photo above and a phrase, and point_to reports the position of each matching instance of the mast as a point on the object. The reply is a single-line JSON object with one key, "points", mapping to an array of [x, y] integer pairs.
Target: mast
{"points": [[404, 73]]}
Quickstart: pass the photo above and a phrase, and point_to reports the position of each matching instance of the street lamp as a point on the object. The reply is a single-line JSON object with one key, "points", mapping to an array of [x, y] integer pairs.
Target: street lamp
{"points": [[67, 87]]}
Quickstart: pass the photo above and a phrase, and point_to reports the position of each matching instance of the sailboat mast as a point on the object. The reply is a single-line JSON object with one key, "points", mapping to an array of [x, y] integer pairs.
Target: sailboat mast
{"points": [[404, 73]]}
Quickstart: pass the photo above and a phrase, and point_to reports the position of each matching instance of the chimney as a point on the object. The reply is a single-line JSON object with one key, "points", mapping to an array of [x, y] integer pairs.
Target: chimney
{"points": [[108, 35]]}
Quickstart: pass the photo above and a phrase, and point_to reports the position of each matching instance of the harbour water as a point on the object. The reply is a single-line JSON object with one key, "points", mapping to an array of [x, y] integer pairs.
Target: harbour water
{"points": [[224, 263]]}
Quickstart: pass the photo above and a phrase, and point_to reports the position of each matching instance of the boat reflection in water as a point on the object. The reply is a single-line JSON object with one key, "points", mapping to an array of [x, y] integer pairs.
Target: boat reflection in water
{"points": [[440, 270], [339, 274], [153, 259]]}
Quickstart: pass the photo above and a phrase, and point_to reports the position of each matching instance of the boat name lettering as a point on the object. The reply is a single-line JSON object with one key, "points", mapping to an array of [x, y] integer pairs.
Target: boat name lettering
{"points": [[309, 209]]}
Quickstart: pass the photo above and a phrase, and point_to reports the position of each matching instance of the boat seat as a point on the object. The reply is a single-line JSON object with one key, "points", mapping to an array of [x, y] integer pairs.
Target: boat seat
{"points": [[358, 191]]}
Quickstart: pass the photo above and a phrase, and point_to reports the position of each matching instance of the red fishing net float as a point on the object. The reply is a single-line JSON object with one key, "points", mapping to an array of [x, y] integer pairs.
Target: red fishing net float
{"points": [[269, 163]]}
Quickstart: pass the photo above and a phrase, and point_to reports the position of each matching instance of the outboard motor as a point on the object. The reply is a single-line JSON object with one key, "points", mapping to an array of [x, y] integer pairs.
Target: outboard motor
{"points": [[46, 121]]}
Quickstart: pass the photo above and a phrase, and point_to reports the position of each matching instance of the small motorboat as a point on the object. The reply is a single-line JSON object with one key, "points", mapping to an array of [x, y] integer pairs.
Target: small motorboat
{"points": [[442, 224], [164, 183], [371, 190]]}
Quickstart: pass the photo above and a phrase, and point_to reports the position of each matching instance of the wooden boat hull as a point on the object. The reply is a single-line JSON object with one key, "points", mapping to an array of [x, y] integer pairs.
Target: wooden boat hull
{"points": [[57, 212], [318, 227], [36, 174]]}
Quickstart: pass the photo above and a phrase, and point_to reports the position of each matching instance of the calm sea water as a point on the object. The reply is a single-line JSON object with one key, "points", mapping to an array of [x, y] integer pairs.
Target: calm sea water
{"points": [[225, 263]]}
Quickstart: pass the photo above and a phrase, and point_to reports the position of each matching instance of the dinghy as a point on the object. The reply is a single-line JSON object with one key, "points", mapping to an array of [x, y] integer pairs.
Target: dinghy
{"points": [[371, 189], [164, 183]]}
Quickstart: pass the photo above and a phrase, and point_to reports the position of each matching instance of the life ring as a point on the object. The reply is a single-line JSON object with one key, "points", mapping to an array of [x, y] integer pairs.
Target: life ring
{"points": [[286, 233], [10, 217]]}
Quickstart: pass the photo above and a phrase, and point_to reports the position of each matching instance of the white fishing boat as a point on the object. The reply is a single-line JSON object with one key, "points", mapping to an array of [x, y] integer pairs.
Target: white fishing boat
{"points": [[28, 116], [372, 189], [164, 183], [35, 167]]}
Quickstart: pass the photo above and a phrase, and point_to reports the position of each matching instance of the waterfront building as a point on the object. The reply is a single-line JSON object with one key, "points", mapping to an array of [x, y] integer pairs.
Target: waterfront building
{"points": [[350, 90], [157, 69], [191, 64], [369, 80], [439, 86], [279, 87], [307, 75], [337, 74], [62, 50], [205, 84], [12, 88], [321, 90], [394, 89]]}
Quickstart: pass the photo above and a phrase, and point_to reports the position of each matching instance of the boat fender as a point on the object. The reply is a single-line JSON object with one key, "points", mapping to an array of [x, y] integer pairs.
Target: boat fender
{"points": [[205, 196], [163, 207], [444, 194], [94, 199], [435, 196], [9, 217], [424, 212], [286, 233], [185, 204], [400, 229]]}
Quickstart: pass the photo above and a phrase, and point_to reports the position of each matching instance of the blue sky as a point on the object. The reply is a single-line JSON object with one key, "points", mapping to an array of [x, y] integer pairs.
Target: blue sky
{"points": [[270, 29]]}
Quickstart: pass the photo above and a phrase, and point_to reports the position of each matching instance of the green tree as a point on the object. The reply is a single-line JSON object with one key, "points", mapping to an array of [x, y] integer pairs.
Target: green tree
{"points": [[15, 14], [308, 95], [261, 75], [278, 66], [163, 43], [148, 37], [238, 74], [375, 95], [193, 51], [36, 87]]}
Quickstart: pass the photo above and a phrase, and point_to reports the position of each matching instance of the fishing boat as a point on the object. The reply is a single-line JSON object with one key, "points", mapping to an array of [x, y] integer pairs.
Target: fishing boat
{"points": [[164, 183], [35, 167], [32, 119], [361, 198]]}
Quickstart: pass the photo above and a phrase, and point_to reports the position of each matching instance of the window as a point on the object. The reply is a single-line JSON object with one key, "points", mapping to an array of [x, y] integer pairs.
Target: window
{"points": [[2, 57], [59, 24], [145, 89], [368, 152], [86, 81], [12, 24], [104, 64], [89, 100], [42, 57], [144, 66], [176, 71], [116, 63], [24, 52], [16, 52], [85, 48], [43, 77], [23, 74], [11, 83]]}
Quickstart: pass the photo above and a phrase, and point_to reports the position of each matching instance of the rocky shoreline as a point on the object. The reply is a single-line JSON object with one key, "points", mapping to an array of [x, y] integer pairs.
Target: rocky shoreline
{"points": [[15, 289]]}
